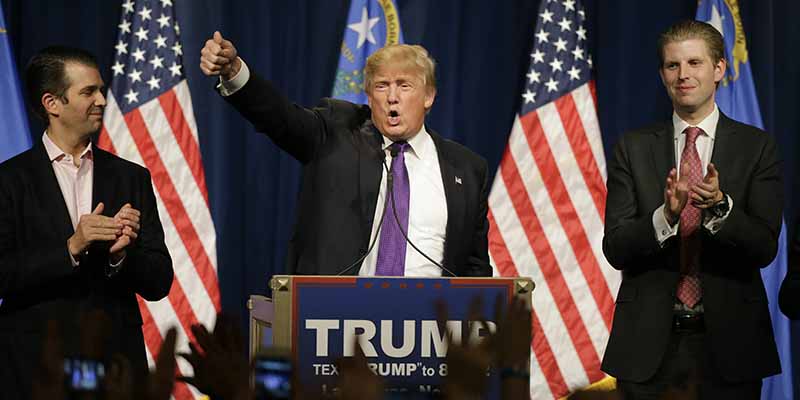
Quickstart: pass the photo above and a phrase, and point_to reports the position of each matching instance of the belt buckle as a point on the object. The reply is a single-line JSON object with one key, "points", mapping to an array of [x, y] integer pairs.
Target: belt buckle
{"points": [[688, 322]]}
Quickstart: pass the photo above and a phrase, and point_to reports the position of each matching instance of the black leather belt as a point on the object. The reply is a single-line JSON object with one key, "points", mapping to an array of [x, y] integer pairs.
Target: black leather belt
{"points": [[688, 322]]}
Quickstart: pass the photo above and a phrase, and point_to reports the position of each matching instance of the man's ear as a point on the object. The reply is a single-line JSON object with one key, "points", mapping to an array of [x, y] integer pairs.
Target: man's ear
{"points": [[51, 104], [430, 96], [719, 70]]}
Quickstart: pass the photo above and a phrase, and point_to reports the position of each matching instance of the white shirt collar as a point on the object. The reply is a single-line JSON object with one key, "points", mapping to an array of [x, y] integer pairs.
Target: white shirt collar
{"points": [[708, 124], [421, 143], [54, 152]]}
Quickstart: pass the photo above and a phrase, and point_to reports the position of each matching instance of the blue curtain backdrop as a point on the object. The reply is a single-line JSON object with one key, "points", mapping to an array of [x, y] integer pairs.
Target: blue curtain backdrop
{"points": [[481, 46]]}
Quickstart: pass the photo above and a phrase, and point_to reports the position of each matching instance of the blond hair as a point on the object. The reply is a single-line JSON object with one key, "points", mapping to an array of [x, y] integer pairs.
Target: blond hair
{"points": [[402, 56]]}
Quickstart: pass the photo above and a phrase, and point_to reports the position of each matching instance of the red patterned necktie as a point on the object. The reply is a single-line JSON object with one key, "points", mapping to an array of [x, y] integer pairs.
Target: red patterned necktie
{"points": [[689, 291]]}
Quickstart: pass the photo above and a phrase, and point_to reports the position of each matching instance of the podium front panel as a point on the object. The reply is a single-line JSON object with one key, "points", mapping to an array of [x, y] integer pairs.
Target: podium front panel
{"points": [[319, 319]]}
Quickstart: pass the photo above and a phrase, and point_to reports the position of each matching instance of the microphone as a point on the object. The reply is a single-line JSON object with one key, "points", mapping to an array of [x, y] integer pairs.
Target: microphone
{"points": [[380, 223], [394, 153], [390, 186]]}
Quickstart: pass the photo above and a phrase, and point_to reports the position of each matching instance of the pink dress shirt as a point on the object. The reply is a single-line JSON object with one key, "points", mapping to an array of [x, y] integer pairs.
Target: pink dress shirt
{"points": [[74, 180]]}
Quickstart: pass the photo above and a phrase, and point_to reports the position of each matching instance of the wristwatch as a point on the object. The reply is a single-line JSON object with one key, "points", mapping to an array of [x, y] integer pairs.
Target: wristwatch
{"points": [[721, 208]]}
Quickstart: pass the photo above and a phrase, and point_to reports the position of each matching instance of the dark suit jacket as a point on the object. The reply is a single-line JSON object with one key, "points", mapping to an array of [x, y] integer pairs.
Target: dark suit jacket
{"points": [[738, 326], [37, 280], [789, 298], [340, 151]]}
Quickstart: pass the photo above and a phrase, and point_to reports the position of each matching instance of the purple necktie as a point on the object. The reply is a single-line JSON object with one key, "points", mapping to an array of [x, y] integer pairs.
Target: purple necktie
{"points": [[392, 251]]}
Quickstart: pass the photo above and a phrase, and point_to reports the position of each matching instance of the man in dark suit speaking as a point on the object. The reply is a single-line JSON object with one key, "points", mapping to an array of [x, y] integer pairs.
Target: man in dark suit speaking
{"points": [[345, 223], [79, 229], [693, 212]]}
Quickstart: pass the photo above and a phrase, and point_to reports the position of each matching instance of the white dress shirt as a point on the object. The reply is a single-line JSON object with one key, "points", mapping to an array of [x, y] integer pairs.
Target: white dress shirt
{"points": [[427, 209], [705, 148]]}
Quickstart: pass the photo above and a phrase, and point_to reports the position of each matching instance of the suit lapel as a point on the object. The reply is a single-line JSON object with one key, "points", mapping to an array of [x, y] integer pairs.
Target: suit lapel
{"points": [[453, 191], [663, 151], [104, 182], [370, 170], [50, 192], [723, 149]]}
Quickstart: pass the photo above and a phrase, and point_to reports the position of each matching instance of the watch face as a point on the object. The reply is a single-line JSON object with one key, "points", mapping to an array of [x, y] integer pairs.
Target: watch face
{"points": [[720, 208]]}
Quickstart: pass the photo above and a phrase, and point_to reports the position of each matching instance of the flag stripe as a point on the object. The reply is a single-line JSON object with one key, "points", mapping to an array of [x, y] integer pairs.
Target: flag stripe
{"points": [[587, 167], [556, 129], [586, 101], [553, 232], [141, 137], [555, 331], [185, 275], [165, 317], [565, 210], [184, 97], [183, 136], [199, 213], [548, 204], [585, 105], [542, 353], [563, 299], [153, 343], [193, 212], [173, 203], [498, 250], [176, 296], [104, 141], [547, 361], [155, 127]]}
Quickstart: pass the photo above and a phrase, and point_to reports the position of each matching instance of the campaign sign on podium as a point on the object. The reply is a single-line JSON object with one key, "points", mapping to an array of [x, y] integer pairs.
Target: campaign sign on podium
{"points": [[393, 319]]}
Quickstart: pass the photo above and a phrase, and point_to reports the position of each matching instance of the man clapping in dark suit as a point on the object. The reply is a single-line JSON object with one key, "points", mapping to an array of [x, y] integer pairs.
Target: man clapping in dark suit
{"points": [[440, 187], [79, 229], [693, 212]]}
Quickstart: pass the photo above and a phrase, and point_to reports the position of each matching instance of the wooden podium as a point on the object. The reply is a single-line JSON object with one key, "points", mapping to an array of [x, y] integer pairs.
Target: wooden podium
{"points": [[317, 319]]}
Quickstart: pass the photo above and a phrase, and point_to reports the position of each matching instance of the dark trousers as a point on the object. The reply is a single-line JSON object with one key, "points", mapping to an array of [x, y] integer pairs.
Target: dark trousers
{"points": [[687, 373]]}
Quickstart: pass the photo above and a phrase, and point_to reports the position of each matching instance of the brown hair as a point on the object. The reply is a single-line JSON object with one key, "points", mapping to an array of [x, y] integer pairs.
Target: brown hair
{"points": [[691, 29], [46, 73]]}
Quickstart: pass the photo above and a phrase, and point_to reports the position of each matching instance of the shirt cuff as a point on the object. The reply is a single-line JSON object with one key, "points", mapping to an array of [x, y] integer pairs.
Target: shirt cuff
{"points": [[662, 228], [714, 224], [229, 87], [73, 261]]}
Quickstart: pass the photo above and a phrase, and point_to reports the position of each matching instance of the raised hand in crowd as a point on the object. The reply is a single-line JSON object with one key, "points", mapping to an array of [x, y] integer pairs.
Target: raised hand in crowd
{"points": [[49, 384], [467, 363], [507, 350], [120, 383], [221, 367], [356, 380]]}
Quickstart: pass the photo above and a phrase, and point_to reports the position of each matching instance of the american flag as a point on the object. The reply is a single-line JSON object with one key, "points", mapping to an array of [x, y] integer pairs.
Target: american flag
{"points": [[149, 120], [547, 206]]}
